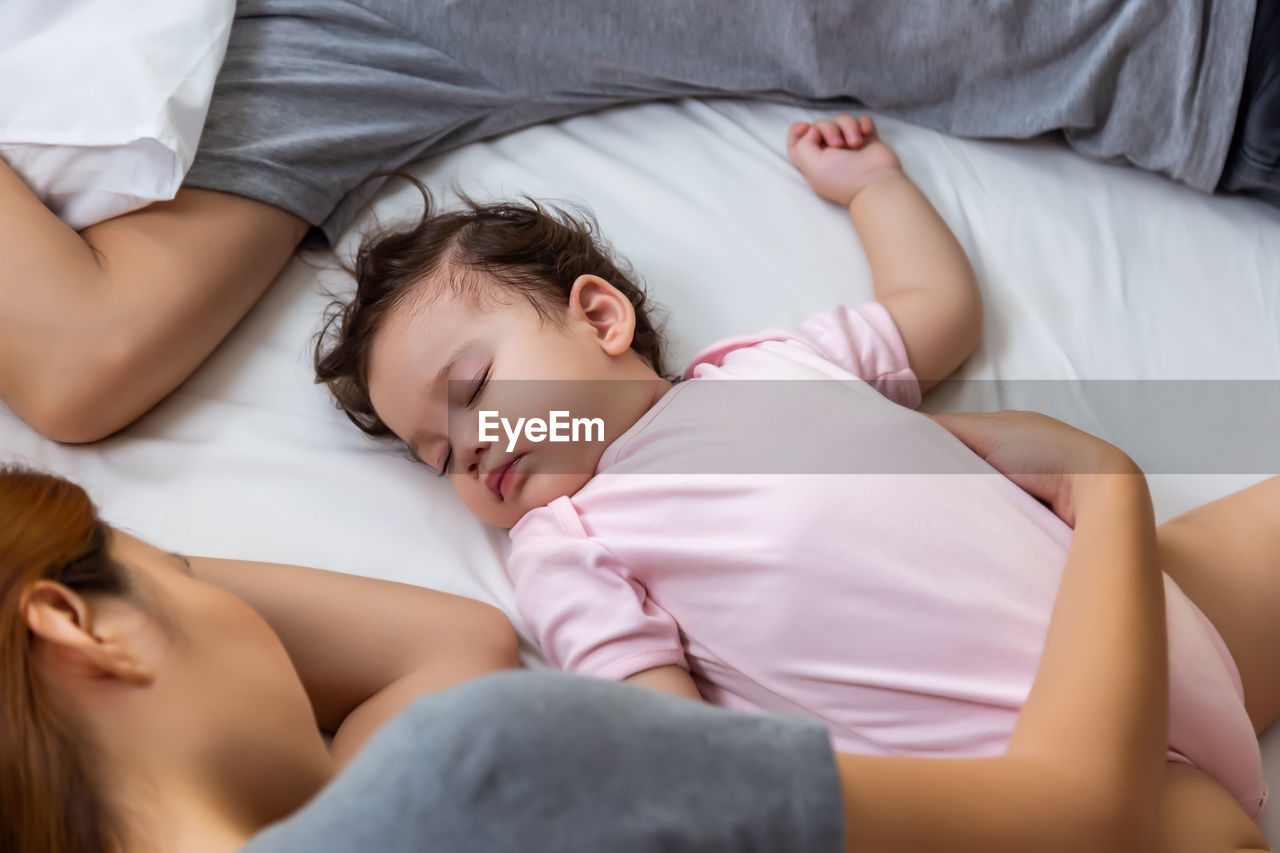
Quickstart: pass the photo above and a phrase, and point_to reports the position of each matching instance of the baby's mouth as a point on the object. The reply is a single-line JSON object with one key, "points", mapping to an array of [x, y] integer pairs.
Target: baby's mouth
{"points": [[502, 480]]}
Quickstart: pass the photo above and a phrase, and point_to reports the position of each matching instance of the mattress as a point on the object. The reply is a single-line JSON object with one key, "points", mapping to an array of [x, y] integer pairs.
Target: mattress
{"points": [[1097, 279]]}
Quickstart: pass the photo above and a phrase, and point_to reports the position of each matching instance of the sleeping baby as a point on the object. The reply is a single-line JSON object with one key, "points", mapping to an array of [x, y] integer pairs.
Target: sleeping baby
{"points": [[733, 533]]}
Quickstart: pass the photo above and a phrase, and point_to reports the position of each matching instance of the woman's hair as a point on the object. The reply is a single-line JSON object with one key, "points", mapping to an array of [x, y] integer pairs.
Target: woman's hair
{"points": [[528, 250], [49, 799]]}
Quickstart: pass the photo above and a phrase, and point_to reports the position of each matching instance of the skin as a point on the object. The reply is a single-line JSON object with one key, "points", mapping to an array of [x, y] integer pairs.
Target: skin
{"points": [[519, 365], [121, 671], [159, 681], [99, 326]]}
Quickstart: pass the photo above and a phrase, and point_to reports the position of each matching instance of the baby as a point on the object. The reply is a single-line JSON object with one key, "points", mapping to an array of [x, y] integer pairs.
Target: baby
{"points": [[815, 547]]}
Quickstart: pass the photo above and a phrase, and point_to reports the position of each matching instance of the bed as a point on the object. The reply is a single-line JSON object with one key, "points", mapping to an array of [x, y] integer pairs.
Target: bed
{"points": [[1089, 271]]}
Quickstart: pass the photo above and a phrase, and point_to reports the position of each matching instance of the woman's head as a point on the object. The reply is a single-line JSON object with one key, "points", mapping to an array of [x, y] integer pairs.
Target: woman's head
{"points": [[508, 308], [49, 534], [125, 678]]}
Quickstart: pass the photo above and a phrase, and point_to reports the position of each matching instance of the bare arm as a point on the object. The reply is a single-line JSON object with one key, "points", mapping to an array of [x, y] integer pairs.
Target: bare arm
{"points": [[98, 327], [668, 679], [1083, 769], [366, 648], [920, 274], [919, 271]]}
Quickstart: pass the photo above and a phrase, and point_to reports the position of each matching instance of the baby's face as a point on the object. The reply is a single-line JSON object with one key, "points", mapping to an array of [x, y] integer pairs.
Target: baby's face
{"points": [[436, 366]]}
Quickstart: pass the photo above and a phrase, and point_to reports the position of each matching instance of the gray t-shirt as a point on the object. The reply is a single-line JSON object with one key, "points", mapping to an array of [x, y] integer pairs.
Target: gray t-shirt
{"points": [[525, 762], [315, 95]]}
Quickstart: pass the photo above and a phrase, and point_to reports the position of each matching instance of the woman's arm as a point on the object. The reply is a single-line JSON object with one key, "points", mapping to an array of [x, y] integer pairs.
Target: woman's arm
{"points": [[1083, 768], [366, 648], [98, 326]]}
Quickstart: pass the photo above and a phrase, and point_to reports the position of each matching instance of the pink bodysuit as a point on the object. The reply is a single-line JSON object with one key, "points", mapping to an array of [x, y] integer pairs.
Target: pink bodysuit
{"points": [[903, 601]]}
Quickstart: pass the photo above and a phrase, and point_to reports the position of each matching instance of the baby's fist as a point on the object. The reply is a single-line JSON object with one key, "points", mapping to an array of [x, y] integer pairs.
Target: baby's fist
{"points": [[841, 156]]}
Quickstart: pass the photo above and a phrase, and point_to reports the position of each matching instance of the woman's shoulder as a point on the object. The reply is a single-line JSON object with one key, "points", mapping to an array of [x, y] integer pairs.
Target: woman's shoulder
{"points": [[418, 774], [543, 761]]}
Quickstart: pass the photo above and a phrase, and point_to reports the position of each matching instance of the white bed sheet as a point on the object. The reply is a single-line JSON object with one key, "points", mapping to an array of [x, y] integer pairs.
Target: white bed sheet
{"points": [[1088, 271]]}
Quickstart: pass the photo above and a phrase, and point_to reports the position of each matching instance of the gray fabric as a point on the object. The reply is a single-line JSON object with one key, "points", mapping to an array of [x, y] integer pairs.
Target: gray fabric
{"points": [[315, 95], [1253, 162], [526, 762]]}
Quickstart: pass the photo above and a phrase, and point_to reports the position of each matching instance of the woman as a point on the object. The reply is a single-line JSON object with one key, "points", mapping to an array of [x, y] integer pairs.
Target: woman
{"points": [[149, 709]]}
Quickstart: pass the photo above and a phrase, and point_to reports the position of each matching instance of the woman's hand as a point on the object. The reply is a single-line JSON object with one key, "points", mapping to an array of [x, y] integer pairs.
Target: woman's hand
{"points": [[1049, 459], [841, 156]]}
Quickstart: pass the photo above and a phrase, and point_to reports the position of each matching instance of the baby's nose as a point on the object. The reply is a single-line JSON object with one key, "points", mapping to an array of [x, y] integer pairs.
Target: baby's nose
{"points": [[475, 460]]}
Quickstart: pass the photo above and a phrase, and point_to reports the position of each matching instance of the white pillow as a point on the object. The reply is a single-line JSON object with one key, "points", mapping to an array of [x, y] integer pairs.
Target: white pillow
{"points": [[102, 101]]}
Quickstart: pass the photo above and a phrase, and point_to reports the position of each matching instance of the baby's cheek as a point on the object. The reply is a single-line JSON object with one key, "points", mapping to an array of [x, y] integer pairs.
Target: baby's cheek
{"points": [[474, 499]]}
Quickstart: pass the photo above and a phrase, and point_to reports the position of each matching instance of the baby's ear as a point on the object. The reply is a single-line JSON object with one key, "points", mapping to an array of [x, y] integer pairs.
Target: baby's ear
{"points": [[606, 309]]}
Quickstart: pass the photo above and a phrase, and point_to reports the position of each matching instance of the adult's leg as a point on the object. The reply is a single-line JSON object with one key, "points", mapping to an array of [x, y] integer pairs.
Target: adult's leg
{"points": [[1225, 556], [1253, 163], [97, 327]]}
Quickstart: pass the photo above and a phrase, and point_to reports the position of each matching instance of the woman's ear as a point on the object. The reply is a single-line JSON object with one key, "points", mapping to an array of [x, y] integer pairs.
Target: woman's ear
{"points": [[63, 621], [606, 309]]}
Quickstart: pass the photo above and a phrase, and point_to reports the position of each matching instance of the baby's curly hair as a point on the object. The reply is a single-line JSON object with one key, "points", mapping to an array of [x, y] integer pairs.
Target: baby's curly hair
{"points": [[528, 249]]}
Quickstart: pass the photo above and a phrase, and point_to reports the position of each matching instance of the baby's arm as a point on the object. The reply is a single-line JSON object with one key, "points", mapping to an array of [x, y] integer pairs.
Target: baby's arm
{"points": [[919, 271], [668, 679]]}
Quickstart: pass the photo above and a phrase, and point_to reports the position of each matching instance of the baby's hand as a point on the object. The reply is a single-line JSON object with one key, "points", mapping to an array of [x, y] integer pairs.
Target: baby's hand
{"points": [[840, 157]]}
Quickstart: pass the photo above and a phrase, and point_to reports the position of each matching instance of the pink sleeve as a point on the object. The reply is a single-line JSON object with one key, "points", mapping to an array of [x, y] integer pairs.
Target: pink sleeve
{"points": [[866, 342], [585, 611], [863, 340]]}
